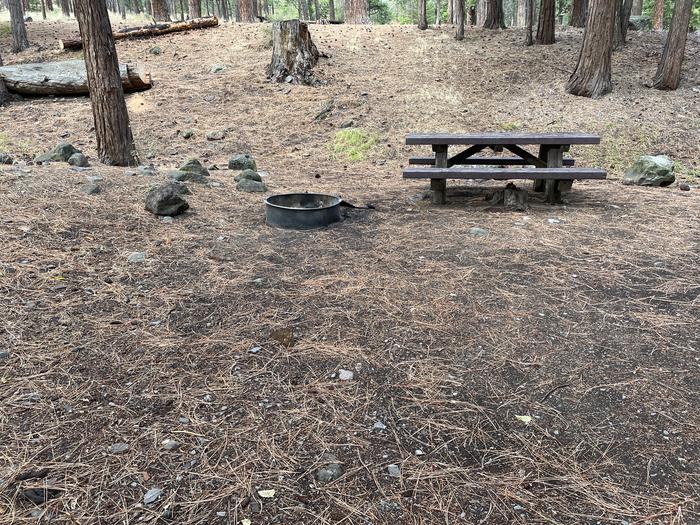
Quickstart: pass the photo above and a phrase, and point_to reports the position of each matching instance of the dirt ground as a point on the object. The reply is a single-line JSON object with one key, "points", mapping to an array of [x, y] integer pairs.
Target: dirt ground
{"points": [[583, 316]]}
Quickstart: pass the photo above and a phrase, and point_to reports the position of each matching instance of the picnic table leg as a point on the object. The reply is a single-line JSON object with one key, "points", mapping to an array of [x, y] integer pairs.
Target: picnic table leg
{"points": [[555, 159], [439, 186], [539, 185]]}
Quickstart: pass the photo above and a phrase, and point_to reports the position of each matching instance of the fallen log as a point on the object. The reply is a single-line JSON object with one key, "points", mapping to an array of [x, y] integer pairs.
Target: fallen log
{"points": [[65, 78], [75, 44]]}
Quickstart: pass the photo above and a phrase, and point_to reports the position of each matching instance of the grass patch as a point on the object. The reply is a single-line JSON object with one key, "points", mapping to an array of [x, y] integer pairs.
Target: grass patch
{"points": [[353, 144], [5, 29], [4, 141], [510, 126]]}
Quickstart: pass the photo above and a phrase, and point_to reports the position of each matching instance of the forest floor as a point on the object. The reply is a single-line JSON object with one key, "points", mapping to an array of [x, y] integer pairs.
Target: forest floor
{"points": [[583, 316]]}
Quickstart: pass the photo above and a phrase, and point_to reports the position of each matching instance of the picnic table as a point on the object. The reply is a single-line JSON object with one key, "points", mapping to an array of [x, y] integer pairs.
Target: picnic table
{"points": [[550, 171]]}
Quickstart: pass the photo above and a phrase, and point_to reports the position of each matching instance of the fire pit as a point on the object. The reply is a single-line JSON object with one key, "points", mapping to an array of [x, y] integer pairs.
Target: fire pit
{"points": [[302, 211]]}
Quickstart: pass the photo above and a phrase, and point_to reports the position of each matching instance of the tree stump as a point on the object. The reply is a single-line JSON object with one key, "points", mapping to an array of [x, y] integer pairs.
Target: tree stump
{"points": [[293, 53]]}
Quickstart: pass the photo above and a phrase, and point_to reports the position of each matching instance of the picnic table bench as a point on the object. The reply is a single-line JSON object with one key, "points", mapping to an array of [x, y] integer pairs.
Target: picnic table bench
{"points": [[550, 171]]}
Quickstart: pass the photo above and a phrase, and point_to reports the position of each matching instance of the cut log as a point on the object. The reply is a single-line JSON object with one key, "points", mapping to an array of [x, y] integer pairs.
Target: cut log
{"points": [[65, 78], [75, 44], [293, 53]]}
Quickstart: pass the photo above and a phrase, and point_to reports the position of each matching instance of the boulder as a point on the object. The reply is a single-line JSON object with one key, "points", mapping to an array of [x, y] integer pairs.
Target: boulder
{"points": [[639, 23], [248, 174], [78, 159], [166, 200], [6, 159], [251, 186], [91, 188], [194, 167], [242, 162], [650, 170], [187, 134], [61, 153], [216, 135]]}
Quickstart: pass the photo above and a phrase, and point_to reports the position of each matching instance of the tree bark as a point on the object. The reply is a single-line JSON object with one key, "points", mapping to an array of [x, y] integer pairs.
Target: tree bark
{"points": [[545, 24], [521, 17], [578, 13], [357, 12], [438, 14], [658, 23], [246, 11], [472, 15], [529, 17], [65, 78], [20, 42], [161, 13], [194, 8], [459, 19], [422, 15], [494, 15], [637, 6], [147, 31], [293, 53], [115, 143], [592, 76], [668, 74], [331, 10], [450, 12], [622, 19], [65, 8]]}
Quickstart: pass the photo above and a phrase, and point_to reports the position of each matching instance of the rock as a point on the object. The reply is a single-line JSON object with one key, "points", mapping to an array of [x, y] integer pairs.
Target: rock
{"points": [[419, 452], [152, 495], [179, 176], [242, 162], [146, 171], [155, 50], [345, 375], [4, 354], [78, 159], [251, 186], [553, 221], [61, 153], [478, 232], [166, 200], [6, 159], [94, 178], [217, 68], [389, 506], [91, 189], [329, 473], [639, 23], [248, 174], [254, 350], [684, 186], [650, 170], [379, 426], [119, 448], [166, 219], [195, 167], [187, 134], [346, 124], [136, 258], [394, 471], [216, 135], [170, 444]]}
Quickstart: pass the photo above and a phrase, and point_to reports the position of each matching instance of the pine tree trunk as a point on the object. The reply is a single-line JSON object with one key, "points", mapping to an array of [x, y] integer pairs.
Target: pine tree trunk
{"points": [[293, 53], [668, 74], [494, 15], [246, 11], [578, 13], [659, 15], [545, 24], [450, 12], [480, 12], [592, 76], [459, 19], [522, 13], [161, 13], [115, 143], [637, 6], [195, 8], [529, 17], [357, 12], [65, 8], [622, 19], [317, 10], [438, 14], [20, 42], [331, 10], [422, 15]]}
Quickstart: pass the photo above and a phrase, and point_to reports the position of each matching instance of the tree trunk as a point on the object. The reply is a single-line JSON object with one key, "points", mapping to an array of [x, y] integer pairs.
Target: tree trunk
{"points": [[659, 15], [668, 74], [472, 15], [246, 11], [147, 31], [637, 6], [622, 19], [545, 24], [357, 12], [480, 10], [161, 13], [194, 9], [115, 143], [494, 15], [578, 13], [293, 53], [592, 76], [438, 14], [521, 18], [529, 17], [422, 15], [4, 95], [20, 42], [317, 10], [458, 8], [65, 78], [65, 8]]}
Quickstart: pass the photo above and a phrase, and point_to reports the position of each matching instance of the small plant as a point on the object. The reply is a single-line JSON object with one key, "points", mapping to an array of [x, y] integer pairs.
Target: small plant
{"points": [[510, 126], [353, 144]]}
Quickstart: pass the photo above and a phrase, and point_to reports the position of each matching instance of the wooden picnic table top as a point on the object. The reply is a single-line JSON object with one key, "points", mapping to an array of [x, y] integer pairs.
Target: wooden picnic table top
{"points": [[501, 138]]}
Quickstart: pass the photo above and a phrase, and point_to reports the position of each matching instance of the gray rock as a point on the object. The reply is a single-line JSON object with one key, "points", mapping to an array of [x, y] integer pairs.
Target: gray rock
{"points": [[78, 159], [166, 219], [242, 162], [179, 176], [684, 186], [152, 495], [166, 200], [329, 473], [346, 124], [639, 23], [254, 350], [146, 171], [91, 188], [478, 232], [136, 258], [155, 50], [216, 68], [195, 167], [251, 186], [170, 444], [119, 448], [187, 134], [345, 375], [650, 170], [4, 354], [389, 506], [379, 426], [6, 159], [248, 174], [394, 471], [61, 153], [94, 178], [216, 135]]}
